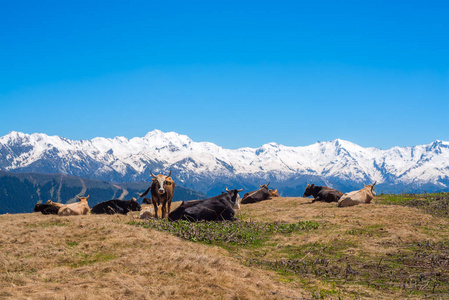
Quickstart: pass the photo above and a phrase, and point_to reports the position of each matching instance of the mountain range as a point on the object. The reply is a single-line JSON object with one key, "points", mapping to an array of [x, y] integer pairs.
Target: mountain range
{"points": [[208, 168]]}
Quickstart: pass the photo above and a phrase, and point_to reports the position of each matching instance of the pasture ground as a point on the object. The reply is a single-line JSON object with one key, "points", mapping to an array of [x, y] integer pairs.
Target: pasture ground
{"points": [[394, 249]]}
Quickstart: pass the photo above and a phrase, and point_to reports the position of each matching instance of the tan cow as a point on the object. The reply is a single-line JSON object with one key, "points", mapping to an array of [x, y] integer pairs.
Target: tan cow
{"points": [[78, 208], [274, 193], [364, 195]]}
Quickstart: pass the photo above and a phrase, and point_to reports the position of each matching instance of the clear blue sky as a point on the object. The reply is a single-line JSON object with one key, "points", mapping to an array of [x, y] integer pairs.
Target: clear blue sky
{"points": [[235, 73]]}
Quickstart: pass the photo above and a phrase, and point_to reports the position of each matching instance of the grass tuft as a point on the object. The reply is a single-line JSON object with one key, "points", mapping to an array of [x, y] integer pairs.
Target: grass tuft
{"points": [[234, 233]]}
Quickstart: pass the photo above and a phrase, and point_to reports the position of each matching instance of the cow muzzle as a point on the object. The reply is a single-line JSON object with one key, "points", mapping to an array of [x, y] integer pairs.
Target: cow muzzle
{"points": [[161, 191]]}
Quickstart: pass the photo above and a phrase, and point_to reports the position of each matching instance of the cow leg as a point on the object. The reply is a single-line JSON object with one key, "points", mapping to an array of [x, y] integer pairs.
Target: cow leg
{"points": [[155, 209], [169, 205], [318, 198], [164, 209]]}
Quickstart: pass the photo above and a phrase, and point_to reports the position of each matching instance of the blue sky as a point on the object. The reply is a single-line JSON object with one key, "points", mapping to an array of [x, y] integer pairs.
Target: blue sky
{"points": [[235, 73]]}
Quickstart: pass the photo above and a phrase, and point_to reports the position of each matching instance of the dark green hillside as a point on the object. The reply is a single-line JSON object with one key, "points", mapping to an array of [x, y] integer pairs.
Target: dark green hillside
{"points": [[19, 192]]}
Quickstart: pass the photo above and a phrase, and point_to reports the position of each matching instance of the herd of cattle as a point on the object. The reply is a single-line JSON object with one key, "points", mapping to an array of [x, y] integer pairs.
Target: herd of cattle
{"points": [[220, 207]]}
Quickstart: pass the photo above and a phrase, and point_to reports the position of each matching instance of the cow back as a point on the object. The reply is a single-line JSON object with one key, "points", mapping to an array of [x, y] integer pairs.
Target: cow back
{"points": [[256, 196], [79, 208], [355, 198], [216, 208]]}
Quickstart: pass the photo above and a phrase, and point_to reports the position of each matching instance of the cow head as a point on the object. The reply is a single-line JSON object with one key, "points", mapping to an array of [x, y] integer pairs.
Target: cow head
{"points": [[370, 188], [273, 193], [161, 182], [39, 207], [81, 199], [265, 186], [309, 190], [134, 205], [177, 213], [235, 198]]}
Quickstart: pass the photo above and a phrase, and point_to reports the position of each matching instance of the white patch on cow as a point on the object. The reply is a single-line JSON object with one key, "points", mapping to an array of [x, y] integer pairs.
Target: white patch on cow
{"points": [[237, 202], [161, 181]]}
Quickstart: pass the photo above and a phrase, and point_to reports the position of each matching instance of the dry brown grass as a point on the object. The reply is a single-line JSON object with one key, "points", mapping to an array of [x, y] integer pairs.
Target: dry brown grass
{"points": [[102, 257]]}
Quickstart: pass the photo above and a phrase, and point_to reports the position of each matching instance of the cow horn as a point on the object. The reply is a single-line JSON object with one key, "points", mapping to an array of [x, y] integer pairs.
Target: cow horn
{"points": [[374, 183], [227, 189], [240, 190], [151, 172], [268, 183], [260, 185], [78, 197], [169, 174]]}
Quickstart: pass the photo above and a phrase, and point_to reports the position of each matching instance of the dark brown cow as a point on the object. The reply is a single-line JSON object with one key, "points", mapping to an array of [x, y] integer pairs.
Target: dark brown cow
{"points": [[162, 190], [46, 209], [257, 196], [322, 193]]}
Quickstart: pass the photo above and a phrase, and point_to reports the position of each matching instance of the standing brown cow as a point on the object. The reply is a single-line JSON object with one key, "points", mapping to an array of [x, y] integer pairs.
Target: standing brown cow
{"points": [[162, 190]]}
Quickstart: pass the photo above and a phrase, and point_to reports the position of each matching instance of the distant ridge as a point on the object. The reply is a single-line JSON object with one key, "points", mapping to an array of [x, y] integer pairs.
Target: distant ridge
{"points": [[209, 168], [19, 192]]}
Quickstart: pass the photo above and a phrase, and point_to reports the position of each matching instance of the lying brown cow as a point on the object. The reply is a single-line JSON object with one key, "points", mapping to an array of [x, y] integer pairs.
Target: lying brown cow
{"points": [[274, 193], [78, 208], [322, 193], [257, 196], [364, 195]]}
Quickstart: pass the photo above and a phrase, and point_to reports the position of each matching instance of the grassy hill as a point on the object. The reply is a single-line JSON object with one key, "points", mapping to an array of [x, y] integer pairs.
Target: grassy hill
{"points": [[19, 192], [285, 248]]}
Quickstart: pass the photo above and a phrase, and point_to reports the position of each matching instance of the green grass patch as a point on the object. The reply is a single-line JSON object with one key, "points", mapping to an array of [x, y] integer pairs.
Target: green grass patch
{"points": [[436, 204], [72, 244], [48, 224], [87, 259], [226, 233]]}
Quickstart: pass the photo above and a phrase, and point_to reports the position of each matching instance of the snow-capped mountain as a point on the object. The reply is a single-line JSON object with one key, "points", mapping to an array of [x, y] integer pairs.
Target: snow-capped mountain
{"points": [[209, 168]]}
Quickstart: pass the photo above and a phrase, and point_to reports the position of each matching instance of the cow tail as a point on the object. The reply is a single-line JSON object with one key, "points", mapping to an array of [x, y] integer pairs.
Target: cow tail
{"points": [[145, 193]]}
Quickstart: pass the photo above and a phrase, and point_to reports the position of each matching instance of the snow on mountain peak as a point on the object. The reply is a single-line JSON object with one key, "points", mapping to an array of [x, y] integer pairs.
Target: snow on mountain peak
{"points": [[123, 159]]}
